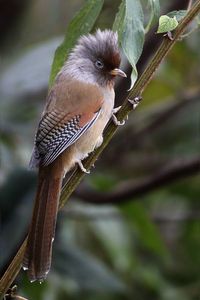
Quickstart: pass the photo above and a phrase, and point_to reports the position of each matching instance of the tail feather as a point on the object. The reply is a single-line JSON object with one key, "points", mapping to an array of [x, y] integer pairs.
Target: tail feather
{"points": [[37, 257]]}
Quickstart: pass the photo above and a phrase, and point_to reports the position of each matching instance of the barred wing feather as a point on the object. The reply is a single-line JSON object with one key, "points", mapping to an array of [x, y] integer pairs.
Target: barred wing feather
{"points": [[55, 134]]}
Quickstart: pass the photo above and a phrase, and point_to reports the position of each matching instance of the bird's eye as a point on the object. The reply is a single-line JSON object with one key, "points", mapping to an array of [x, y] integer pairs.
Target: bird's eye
{"points": [[99, 64]]}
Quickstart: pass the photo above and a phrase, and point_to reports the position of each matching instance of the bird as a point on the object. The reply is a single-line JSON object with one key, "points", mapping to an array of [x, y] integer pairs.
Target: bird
{"points": [[79, 105]]}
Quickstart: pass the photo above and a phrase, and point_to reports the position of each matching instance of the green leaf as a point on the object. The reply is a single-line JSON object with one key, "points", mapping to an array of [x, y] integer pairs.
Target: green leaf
{"points": [[130, 28], [179, 14], [119, 20], [155, 12], [167, 24], [81, 24], [148, 233]]}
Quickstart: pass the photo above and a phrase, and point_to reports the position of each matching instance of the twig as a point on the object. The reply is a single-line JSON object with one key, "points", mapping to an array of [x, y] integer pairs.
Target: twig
{"points": [[12, 270], [77, 176]]}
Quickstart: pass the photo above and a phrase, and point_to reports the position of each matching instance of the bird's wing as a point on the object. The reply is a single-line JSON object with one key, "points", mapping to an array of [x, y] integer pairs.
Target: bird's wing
{"points": [[65, 120]]}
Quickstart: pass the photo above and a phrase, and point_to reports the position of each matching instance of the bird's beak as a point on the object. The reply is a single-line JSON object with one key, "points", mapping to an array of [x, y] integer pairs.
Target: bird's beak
{"points": [[118, 72]]}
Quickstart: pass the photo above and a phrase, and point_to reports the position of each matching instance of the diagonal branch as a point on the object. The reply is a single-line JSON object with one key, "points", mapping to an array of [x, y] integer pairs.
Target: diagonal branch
{"points": [[77, 176], [126, 108]]}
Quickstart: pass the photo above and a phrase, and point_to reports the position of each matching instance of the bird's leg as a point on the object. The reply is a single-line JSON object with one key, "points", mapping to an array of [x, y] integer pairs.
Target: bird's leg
{"points": [[79, 162], [135, 101], [114, 118]]}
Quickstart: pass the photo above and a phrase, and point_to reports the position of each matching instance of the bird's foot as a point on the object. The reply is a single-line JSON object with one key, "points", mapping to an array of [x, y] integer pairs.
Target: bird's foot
{"points": [[135, 101], [114, 118], [79, 162]]}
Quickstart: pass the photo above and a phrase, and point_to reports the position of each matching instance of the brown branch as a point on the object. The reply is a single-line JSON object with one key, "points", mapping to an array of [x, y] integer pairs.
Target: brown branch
{"points": [[77, 176], [131, 190]]}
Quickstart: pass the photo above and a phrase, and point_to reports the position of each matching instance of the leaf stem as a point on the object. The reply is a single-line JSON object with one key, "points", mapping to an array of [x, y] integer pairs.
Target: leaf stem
{"points": [[77, 176]]}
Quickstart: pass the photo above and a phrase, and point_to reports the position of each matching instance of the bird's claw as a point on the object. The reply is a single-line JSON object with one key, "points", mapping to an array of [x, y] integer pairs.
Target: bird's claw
{"points": [[114, 118], [116, 109], [79, 162], [117, 122], [135, 101]]}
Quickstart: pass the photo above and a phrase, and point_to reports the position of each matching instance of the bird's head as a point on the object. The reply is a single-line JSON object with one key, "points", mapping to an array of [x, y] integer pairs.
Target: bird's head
{"points": [[96, 58]]}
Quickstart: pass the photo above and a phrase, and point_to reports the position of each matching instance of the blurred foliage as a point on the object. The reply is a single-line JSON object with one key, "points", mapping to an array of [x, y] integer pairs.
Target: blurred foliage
{"points": [[145, 248]]}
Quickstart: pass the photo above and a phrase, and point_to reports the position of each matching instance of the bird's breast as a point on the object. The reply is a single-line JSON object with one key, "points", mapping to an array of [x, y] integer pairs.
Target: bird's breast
{"points": [[108, 104], [90, 139]]}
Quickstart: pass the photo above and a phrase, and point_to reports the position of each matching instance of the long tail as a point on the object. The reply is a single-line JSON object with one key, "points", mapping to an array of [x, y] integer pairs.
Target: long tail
{"points": [[37, 259]]}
